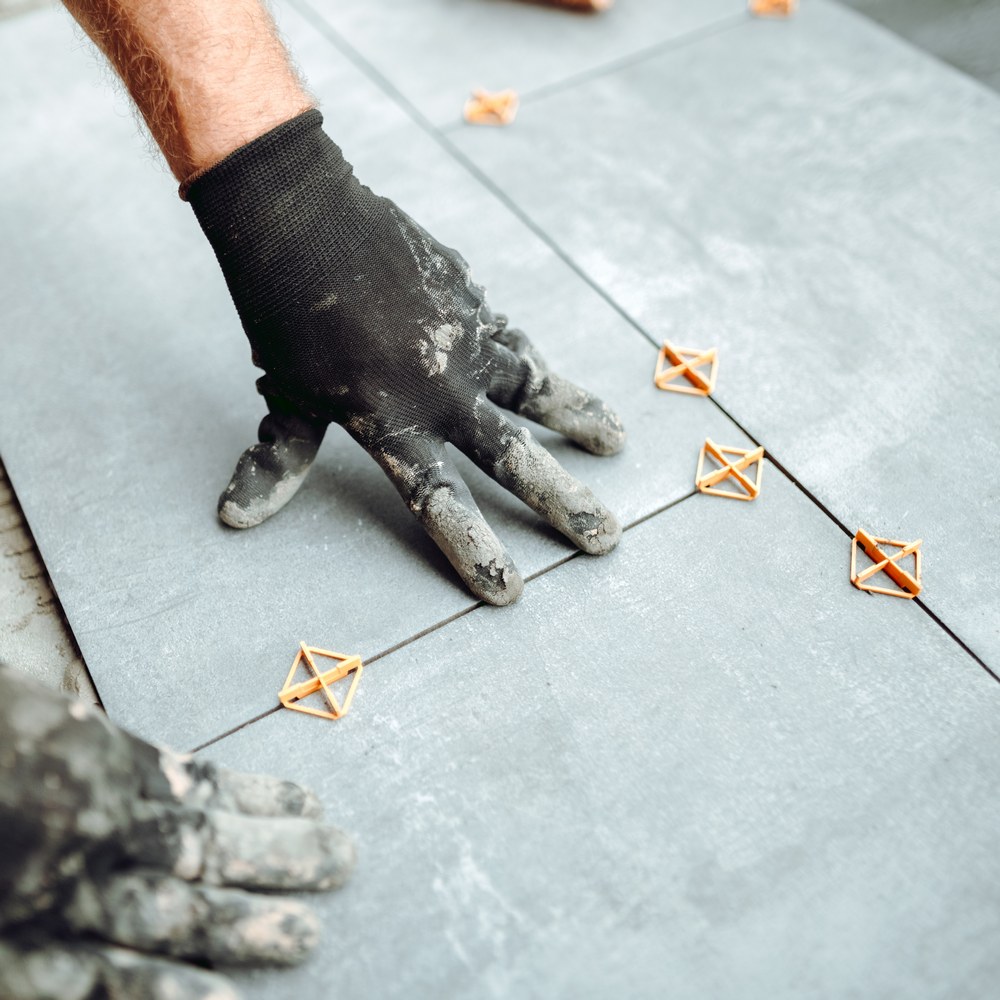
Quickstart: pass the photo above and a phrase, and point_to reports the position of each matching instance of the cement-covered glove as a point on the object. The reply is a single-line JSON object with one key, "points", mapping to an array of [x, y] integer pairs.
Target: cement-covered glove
{"points": [[121, 861], [358, 316]]}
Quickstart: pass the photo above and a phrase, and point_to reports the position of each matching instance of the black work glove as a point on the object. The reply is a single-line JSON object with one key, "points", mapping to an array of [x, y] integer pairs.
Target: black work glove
{"points": [[358, 316], [121, 862]]}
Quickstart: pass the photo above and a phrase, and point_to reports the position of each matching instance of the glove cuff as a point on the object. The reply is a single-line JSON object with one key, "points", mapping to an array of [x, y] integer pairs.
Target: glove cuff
{"points": [[270, 211], [287, 219], [288, 134]]}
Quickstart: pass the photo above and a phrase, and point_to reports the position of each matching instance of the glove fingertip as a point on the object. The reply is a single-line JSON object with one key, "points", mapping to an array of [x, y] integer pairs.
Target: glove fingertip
{"points": [[253, 495], [498, 586], [607, 439]]}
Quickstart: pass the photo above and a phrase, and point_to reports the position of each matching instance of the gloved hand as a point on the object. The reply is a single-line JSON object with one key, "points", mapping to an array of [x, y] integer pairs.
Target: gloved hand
{"points": [[113, 851], [358, 316]]}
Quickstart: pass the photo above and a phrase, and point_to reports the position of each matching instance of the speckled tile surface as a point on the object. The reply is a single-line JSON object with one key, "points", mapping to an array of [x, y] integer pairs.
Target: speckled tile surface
{"points": [[699, 769]]}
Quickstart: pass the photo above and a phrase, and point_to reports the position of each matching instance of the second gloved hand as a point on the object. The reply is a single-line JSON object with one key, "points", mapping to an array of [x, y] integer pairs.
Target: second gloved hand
{"points": [[358, 316], [125, 868]]}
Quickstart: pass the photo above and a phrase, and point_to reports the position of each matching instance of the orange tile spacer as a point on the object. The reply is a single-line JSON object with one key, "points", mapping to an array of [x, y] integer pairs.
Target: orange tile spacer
{"points": [[908, 583], [485, 108], [674, 362], [744, 458], [773, 8], [291, 694]]}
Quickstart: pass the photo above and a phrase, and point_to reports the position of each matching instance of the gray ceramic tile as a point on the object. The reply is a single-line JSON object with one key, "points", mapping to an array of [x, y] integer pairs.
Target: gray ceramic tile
{"points": [[435, 52], [705, 767], [126, 395], [820, 201]]}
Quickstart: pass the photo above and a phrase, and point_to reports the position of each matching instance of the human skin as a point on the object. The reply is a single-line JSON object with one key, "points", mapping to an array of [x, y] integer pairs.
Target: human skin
{"points": [[207, 77]]}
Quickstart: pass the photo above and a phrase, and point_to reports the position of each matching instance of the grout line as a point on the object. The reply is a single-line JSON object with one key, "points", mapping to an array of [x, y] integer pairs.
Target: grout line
{"points": [[939, 621], [628, 527], [548, 569], [718, 26], [659, 510], [919, 602], [427, 631], [235, 729], [451, 618], [535, 228], [640, 329], [847, 531], [623, 62]]}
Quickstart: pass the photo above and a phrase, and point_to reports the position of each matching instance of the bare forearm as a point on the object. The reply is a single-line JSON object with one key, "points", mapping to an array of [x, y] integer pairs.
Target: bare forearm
{"points": [[207, 75]]}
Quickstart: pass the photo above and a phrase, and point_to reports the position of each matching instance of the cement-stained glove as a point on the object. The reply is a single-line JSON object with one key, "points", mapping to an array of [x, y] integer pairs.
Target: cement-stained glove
{"points": [[120, 861], [358, 316]]}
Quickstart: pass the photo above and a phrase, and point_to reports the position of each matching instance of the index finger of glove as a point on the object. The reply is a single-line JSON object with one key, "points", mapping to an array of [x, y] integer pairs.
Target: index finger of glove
{"points": [[523, 383], [223, 848]]}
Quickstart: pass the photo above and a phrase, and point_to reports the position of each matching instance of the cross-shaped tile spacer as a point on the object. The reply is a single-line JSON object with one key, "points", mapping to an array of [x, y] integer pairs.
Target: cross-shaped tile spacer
{"points": [[734, 462], [675, 362], [485, 108], [291, 694], [909, 583], [773, 8]]}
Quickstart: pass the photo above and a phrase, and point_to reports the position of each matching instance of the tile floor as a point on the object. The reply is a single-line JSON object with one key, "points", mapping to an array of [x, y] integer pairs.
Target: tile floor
{"points": [[705, 765], [700, 769]]}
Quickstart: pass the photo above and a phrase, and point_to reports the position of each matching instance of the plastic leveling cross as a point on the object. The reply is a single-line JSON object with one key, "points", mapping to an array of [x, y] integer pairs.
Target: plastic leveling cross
{"points": [[907, 584], [485, 108], [682, 363], [772, 8], [733, 463], [292, 694]]}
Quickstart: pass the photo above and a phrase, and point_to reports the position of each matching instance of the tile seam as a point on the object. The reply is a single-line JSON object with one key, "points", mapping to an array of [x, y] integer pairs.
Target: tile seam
{"points": [[544, 571], [800, 486], [710, 30], [360, 61], [437, 626]]}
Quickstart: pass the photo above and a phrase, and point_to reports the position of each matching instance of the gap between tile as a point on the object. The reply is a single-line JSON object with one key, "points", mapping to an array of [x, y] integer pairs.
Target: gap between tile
{"points": [[451, 618], [361, 62], [623, 62]]}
